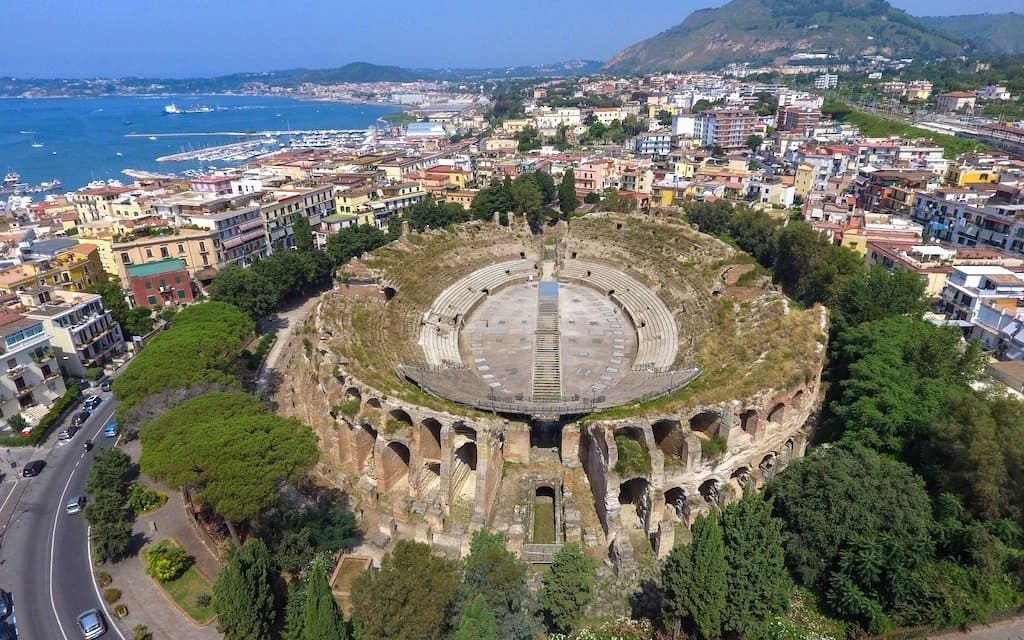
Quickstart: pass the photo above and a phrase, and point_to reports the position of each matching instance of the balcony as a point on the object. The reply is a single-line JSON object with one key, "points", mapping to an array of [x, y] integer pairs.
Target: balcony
{"points": [[16, 371], [43, 358]]}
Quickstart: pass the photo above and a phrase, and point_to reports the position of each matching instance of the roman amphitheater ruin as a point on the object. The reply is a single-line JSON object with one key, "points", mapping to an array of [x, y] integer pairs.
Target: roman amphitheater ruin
{"points": [[604, 382]]}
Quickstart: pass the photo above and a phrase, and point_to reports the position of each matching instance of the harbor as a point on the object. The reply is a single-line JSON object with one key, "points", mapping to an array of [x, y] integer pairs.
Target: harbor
{"points": [[263, 142]]}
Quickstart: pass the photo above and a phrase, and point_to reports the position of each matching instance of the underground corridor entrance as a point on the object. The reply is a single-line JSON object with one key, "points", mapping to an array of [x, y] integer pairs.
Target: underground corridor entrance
{"points": [[546, 434], [544, 521]]}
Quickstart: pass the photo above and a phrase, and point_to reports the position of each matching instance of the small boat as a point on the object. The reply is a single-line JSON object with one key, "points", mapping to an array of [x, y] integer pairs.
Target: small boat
{"points": [[152, 137], [36, 145], [118, 154], [53, 153]]}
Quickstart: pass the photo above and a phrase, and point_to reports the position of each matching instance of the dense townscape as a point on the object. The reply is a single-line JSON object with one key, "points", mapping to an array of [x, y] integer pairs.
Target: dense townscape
{"points": [[729, 346]]}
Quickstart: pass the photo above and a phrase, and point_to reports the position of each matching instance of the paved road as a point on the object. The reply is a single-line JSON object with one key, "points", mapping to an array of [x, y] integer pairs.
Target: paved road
{"points": [[44, 555]]}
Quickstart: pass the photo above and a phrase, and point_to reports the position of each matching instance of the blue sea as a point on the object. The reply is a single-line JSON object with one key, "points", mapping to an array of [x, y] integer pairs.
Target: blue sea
{"points": [[84, 139]]}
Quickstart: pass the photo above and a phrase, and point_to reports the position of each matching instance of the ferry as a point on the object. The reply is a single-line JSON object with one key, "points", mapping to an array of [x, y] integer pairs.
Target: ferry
{"points": [[173, 109]]}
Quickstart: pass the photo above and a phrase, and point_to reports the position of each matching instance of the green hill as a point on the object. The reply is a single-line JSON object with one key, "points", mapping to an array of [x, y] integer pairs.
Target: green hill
{"points": [[762, 31], [997, 32]]}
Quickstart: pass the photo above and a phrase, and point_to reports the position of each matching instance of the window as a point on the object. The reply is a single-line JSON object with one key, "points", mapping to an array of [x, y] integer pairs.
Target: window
{"points": [[164, 253], [177, 279], [202, 246], [181, 294], [125, 258], [181, 248], [151, 300], [11, 363], [163, 283], [149, 253], [206, 260]]}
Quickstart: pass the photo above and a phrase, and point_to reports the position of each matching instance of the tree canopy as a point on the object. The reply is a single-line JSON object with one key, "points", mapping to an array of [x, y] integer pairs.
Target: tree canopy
{"points": [[492, 571], [223, 445], [242, 594], [568, 587]]}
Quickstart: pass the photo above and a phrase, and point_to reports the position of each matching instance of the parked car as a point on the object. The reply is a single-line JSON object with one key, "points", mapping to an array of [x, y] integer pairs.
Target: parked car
{"points": [[68, 433], [32, 469], [91, 624], [80, 418], [110, 430], [75, 504], [92, 402], [105, 385]]}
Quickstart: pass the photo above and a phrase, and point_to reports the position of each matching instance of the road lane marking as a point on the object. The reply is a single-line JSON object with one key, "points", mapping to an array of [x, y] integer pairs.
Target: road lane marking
{"points": [[53, 536], [7, 499], [96, 585]]}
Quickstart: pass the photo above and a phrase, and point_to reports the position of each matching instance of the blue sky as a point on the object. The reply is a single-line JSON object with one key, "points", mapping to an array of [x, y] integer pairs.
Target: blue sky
{"points": [[72, 38]]}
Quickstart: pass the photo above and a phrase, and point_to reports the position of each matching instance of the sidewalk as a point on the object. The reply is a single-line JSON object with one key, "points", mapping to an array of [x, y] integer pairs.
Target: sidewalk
{"points": [[147, 603]]}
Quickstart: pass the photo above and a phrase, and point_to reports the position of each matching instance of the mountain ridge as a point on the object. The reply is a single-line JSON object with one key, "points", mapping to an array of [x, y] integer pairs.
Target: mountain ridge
{"points": [[996, 32], [764, 31]]}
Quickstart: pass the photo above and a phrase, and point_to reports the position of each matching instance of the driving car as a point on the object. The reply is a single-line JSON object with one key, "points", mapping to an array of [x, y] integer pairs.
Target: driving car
{"points": [[110, 430], [68, 433], [80, 418], [91, 403], [75, 504], [91, 624], [105, 384], [32, 469]]}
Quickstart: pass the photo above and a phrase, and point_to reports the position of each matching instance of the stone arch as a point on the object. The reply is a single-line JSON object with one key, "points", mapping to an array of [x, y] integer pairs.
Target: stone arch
{"points": [[389, 293], [777, 414], [798, 398], [462, 482], [768, 466], [741, 476], [706, 422], [365, 438], [429, 479], [711, 491], [635, 502], [353, 393], [462, 429], [670, 437], [401, 415], [748, 421], [675, 505], [430, 439], [632, 432], [395, 467], [373, 402]]}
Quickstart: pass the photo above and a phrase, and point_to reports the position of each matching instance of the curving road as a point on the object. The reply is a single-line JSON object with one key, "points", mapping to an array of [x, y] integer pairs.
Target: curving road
{"points": [[44, 552]]}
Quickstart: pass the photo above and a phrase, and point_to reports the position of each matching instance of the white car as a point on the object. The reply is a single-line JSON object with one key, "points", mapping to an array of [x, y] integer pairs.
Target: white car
{"points": [[75, 504], [91, 624]]}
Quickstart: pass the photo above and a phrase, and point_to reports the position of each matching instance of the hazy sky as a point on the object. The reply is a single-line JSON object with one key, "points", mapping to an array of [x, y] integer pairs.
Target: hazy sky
{"points": [[74, 38]]}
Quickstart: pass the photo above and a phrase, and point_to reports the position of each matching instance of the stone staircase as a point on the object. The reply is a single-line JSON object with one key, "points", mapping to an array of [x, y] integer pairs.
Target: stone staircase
{"points": [[547, 361]]}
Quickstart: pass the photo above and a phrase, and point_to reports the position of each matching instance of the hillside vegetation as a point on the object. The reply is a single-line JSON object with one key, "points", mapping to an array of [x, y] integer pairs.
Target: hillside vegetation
{"points": [[996, 32], [759, 31]]}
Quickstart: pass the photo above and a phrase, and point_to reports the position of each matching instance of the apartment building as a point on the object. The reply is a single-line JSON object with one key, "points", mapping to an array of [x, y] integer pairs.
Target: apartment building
{"points": [[969, 286], [32, 379], [194, 247], [160, 284], [655, 143], [801, 120], [996, 224], [74, 269], [891, 190], [727, 128], [97, 203], [281, 207], [83, 335]]}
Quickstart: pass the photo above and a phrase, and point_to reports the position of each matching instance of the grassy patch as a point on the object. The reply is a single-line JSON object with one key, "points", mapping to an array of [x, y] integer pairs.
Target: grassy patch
{"points": [[348, 408], [543, 520], [633, 457], [185, 590], [713, 448]]}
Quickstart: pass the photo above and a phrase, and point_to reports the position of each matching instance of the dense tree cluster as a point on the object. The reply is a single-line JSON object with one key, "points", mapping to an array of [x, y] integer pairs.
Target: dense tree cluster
{"points": [[528, 194], [135, 322], [201, 346], [228, 452], [105, 511], [435, 215]]}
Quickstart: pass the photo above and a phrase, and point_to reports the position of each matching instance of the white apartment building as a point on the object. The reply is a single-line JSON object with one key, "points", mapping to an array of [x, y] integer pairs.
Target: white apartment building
{"points": [[32, 379], [82, 332]]}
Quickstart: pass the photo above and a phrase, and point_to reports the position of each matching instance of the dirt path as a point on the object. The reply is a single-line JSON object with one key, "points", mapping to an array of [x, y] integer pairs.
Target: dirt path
{"points": [[283, 323]]}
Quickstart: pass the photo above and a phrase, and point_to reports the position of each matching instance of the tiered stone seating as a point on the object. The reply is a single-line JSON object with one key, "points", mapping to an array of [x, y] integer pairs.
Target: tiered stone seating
{"points": [[657, 334], [439, 335]]}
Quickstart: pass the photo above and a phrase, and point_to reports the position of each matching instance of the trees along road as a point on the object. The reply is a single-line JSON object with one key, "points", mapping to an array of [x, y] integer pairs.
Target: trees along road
{"points": [[44, 551]]}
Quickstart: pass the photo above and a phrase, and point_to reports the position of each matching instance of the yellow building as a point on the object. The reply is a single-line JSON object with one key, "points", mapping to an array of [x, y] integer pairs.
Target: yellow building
{"points": [[804, 180], [963, 176], [197, 247], [104, 247], [352, 200], [515, 126], [75, 269]]}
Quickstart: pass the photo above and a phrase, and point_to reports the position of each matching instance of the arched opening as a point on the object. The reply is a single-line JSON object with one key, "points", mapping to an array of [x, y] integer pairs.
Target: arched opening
{"points": [[430, 439], [389, 293], [400, 416], [463, 473], [365, 437], [631, 432], [395, 465], [374, 402], [573, 255], [788, 449], [462, 429], [676, 507], [748, 421], [798, 398], [767, 466], [777, 414], [670, 438], [635, 502], [352, 393], [429, 480], [711, 492], [706, 422], [544, 516], [741, 476]]}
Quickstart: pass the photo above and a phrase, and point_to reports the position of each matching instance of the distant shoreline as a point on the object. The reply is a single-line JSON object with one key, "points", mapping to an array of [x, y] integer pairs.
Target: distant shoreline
{"points": [[369, 103]]}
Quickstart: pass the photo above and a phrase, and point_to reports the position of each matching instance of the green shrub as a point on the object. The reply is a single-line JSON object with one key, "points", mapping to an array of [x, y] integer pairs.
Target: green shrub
{"points": [[43, 428], [204, 600], [120, 611], [165, 560], [103, 579], [393, 426], [633, 457], [349, 407], [713, 448], [110, 596], [141, 632], [142, 499], [93, 373]]}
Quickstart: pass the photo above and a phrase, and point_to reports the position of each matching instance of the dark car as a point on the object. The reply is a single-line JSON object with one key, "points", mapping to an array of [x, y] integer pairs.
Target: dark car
{"points": [[32, 469], [80, 418], [104, 384]]}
